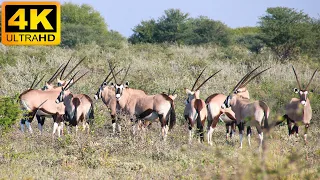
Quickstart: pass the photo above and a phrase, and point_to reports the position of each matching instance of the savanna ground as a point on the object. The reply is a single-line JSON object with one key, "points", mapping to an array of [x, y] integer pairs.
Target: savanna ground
{"points": [[154, 69]]}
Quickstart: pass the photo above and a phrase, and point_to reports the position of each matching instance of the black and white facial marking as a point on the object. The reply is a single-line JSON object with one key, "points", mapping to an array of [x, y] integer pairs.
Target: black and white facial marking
{"points": [[119, 89], [226, 103], [45, 87], [60, 97], [98, 94], [303, 95]]}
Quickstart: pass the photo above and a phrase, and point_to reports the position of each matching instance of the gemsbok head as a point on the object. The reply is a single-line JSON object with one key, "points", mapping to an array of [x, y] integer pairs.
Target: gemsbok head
{"points": [[195, 110], [298, 110], [248, 113]]}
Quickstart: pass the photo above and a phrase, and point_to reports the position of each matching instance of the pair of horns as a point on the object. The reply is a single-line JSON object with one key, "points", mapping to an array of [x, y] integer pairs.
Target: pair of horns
{"points": [[65, 67], [245, 80], [106, 79], [295, 74], [69, 85], [35, 79], [114, 75], [203, 81]]}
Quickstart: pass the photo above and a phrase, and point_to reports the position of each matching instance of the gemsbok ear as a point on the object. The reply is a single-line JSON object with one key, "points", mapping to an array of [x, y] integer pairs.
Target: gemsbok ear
{"points": [[174, 97], [126, 84], [105, 84], [112, 84], [295, 90]]}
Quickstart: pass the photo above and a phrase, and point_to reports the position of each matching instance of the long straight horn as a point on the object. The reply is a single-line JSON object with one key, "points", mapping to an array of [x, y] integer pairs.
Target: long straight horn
{"points": [[245, 83], [208, 79], [108, 76], [248, 76], [114, 77], [55, 74], [31, 87], [66, 86], [197, 79], [311, 78], [295, 74], [39, 81], [124, 77], [65, 67], [173, 92], [116, 74], [75, 67], [244, 79], [77, 80]]}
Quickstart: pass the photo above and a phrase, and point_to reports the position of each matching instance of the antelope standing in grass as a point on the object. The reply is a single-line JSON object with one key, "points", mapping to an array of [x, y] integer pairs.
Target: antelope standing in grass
{"points": [[246, 112], [141, 106], [78, 107], [215, 111], [195, 110], [106, 93], [298, 111]]}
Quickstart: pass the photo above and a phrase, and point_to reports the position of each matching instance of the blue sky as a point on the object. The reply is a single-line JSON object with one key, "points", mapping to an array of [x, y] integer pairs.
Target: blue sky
{"points": [[123, 15]]}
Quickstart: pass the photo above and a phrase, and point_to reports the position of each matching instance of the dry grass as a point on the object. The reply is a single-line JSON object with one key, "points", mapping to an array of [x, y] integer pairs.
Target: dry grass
{"points": [[155, 69]]}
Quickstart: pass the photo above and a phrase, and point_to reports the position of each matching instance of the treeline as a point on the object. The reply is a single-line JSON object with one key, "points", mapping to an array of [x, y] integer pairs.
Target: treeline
{"points": [[286, 32]]}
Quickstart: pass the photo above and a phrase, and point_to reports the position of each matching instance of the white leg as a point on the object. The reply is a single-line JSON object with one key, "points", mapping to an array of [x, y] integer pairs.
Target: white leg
{"points": [[190, 136], [119, 128], [59, 130], [61, 127], [21, 126], [55, 127], [40, 128], [241, 136], [114, 128], [249, 140], [210, 132], [305, 137], [166, 129], [261, 138], [76, 130], [68, 129], [29, 126], [88, 128]]}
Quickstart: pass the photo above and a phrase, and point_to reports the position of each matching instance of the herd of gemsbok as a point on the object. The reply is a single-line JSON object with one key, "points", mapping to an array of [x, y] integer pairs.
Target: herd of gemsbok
{"points": [[236, 108]]}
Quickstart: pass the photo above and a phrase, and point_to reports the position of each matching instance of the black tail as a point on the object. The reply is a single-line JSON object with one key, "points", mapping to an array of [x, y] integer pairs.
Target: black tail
{"points": [[198, 106], [91, 114], [172, 116]]}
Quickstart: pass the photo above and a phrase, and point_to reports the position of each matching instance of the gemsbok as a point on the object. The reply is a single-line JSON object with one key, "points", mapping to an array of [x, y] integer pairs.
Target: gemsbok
{"points": [[215, 111], [106, 93], [78, 107], [248, 113], [195, 110], [140, 106], [298, 110]]}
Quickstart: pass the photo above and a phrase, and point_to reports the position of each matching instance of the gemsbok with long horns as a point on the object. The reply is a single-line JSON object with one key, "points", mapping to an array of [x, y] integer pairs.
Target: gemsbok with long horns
{"points": [[140, 106], [195, 110], [106, 93], [78, 107], [215, 112], [298, 110], [248, 113]]}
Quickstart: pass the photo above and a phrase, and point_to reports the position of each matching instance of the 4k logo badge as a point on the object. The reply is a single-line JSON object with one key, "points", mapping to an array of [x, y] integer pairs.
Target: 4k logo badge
{"points": [[31, 23]]}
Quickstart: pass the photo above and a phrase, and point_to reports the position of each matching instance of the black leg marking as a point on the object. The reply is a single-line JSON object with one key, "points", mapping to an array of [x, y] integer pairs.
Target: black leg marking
{"points": [[249, 130]]}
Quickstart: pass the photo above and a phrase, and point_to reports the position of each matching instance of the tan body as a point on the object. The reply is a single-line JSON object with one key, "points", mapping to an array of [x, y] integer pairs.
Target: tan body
{"points": [[79, 110], [195, 112], [148, 107], [31, 99]]}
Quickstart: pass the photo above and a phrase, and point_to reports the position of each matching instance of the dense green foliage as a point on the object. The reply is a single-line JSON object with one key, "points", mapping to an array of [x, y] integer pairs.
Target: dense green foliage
{"points": [[9, 112], [176, 27], [81, 24], [287, 32]]}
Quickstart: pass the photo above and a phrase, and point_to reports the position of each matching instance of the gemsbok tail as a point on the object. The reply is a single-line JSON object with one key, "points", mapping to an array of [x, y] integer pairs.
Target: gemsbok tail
{"points": [[172, 116], [266, 111], [198, 106]]}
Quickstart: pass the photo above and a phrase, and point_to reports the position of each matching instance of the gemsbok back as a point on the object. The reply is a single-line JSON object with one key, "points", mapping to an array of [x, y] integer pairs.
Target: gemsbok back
{"points": [[78, 107], [248, 113], [298, 110], [195, 110], [215, 111], [140, 106]]}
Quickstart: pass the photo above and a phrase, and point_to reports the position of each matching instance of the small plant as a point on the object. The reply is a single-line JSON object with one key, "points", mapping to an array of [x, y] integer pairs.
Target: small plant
{"points": [[9, 112]]}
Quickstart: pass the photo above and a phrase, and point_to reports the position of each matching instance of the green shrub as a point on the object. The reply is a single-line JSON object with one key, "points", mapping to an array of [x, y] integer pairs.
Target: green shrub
{"points": [[9, 112]]}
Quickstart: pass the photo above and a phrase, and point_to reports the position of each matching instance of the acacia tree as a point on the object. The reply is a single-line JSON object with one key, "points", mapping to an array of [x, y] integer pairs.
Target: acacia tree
{"points": [[286, 31]]}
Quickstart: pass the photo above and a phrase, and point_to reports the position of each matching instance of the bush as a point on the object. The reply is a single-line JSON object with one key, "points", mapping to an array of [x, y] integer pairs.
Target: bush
{"points": [[9, 112]]}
